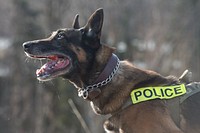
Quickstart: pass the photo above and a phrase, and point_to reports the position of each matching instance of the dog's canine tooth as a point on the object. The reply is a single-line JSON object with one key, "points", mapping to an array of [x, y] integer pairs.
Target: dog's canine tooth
{"points": [[58, 61]]}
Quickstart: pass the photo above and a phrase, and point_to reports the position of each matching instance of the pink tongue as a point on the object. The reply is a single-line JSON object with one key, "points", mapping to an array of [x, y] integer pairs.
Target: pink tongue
{"points": [[52, 66]]}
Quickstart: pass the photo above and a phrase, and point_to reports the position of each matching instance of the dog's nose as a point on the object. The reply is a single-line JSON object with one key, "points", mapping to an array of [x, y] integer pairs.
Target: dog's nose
{"points": [[26, 46]]}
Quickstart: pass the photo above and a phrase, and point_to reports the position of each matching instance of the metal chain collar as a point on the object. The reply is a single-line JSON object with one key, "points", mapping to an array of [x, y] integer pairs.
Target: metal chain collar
{"points": [[84, 92]]}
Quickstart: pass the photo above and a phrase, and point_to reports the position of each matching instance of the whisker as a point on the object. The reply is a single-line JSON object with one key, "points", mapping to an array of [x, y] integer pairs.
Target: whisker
{"points": [[41, 81], [41, 62], [27, 60]]}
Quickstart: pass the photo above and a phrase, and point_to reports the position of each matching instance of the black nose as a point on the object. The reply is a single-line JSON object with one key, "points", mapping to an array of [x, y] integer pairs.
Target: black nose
{"points": [[26, 46]]}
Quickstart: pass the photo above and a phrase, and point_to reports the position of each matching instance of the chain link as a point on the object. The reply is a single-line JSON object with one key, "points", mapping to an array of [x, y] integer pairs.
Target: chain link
{"points": [[83, 92]]}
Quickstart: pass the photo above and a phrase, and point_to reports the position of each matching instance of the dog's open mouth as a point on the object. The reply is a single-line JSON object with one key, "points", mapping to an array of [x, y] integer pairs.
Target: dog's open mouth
{"points": [[57, 65]]}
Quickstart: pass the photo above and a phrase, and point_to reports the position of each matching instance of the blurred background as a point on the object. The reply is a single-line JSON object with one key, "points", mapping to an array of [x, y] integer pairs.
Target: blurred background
{"points": [[153, 34]]}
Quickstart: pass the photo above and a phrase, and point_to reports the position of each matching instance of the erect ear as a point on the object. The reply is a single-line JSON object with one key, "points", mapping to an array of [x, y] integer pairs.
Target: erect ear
{"points": [[94, 24], [75, 24]]}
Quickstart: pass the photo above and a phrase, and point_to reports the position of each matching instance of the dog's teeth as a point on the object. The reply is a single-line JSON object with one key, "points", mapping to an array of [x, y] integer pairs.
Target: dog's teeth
{"points": [[46, 73]]}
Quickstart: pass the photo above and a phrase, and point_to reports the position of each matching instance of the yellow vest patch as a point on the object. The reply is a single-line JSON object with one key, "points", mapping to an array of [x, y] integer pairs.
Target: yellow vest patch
{"points": [[162, 92]]}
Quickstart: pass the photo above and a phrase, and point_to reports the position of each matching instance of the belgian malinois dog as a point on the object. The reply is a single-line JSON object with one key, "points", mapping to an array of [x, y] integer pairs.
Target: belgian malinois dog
{"points": [[78, 55]]}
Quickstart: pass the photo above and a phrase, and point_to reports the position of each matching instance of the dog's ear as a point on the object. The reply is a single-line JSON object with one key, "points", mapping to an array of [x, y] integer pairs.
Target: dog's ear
{"points": [[92, 30], [75, 24], [94, 24]]}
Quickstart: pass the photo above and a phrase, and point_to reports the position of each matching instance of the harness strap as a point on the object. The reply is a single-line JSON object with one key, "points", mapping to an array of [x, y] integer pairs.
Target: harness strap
{"points": [[174, 105], [192, 89], [127, 103]]}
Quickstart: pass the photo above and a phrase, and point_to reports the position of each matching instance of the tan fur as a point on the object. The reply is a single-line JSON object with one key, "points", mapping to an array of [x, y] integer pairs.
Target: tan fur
{"points": [[80, 53], [104, 53], [102, 57]]}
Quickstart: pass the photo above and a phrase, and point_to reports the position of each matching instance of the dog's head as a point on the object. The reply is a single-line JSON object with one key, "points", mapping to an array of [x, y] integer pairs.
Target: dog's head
{"points": [[70, 51]]}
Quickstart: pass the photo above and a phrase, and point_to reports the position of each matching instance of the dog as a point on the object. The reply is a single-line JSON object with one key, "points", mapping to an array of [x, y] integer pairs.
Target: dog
{"points": [[77, 54]]}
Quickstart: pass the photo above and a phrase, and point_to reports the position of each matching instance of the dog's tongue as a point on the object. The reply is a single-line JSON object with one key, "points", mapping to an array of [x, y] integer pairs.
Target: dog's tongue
{"points": [[52, 66]]}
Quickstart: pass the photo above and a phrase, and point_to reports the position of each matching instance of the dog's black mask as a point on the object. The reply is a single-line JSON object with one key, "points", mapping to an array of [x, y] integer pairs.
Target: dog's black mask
{"points": [[70, 51]]}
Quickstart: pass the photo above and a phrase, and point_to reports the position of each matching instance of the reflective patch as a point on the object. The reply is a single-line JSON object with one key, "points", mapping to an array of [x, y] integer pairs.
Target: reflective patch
{"points": [[162, 92]]}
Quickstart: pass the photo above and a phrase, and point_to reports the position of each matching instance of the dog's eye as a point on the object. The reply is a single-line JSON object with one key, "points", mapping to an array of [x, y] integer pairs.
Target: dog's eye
{"points": [[60, 36], [82, 31]]}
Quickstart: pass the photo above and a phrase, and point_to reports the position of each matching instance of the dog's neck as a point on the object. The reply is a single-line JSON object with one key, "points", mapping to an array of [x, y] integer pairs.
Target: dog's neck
{"points": [[103, 71], [101, 59]]}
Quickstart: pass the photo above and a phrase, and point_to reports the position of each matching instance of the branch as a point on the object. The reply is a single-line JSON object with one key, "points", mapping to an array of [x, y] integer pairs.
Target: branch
{"points": [[78, 115]]}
